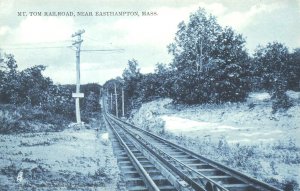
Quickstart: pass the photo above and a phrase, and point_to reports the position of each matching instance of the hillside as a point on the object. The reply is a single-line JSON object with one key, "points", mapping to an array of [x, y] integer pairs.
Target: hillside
{"points": [[247, 136]]}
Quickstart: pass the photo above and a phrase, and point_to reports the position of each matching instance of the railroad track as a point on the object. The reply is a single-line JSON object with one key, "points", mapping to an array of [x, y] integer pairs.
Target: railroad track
{"points": [[149, 162], [139, 173]]}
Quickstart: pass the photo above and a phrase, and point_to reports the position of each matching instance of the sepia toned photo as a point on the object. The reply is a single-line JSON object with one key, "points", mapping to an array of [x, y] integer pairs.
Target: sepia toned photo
{"points": [[136, 95]]}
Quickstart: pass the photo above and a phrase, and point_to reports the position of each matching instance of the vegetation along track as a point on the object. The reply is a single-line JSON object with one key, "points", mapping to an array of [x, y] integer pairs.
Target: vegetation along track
{"points": [[158, 164]]}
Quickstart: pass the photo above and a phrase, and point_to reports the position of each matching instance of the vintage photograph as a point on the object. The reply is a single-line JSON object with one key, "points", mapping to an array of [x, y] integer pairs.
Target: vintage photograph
{"points": [[117, 95]]}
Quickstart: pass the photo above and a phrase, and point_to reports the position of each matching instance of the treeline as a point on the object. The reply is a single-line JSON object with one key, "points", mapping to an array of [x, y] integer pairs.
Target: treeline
{"points": [[211, 65], [30, 88]]}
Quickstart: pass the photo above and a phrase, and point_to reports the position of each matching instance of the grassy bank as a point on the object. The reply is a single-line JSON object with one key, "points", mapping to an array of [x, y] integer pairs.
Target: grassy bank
{"points": [[21, 119], [245, 136]]}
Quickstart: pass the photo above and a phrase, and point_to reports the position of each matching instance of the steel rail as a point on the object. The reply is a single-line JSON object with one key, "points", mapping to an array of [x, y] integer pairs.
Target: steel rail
{"points": [[148, 180], [176, 181], [191, 176], [236, 174]]}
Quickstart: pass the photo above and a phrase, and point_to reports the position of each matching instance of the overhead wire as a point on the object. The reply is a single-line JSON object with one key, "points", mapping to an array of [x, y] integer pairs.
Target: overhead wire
{"points": [[27, 46], [91, 38], [40, 47], [36, 45], [111, 49], [103, 50]]}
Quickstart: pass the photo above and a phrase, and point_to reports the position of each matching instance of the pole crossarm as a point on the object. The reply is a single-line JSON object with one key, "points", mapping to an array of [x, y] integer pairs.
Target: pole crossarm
{"points": [[78, 33], [77, 42]]}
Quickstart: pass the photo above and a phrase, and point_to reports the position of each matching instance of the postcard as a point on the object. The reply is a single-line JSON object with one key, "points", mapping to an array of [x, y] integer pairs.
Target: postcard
{"points": [[149, 95]]}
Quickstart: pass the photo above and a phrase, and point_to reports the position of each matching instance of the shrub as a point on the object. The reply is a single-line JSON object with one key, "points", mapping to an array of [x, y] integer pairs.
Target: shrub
{"points": [[290, 185], [281, 102]]}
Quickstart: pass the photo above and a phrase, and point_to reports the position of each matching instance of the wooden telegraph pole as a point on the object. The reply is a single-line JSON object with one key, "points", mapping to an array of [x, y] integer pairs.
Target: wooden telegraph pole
{"points": [[111, 98], [123, 108], [117, 113], [77, 95]]}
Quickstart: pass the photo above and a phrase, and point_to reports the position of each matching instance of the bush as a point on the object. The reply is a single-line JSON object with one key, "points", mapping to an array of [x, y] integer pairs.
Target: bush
{"points": [[31, 89], [193, 87], [281, 102], [16, 119], [290, 185]]}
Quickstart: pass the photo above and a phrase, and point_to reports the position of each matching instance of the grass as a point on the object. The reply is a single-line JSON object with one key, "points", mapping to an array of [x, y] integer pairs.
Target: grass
{"points": [[15, 119], [262, 161], [25, 119]]}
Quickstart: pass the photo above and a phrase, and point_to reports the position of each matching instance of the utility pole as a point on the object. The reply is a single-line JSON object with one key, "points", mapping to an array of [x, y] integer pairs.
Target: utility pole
{"points": [[111, 97], [199, 57], [117, 113], [107, 96], [77, 95], [123, 112]]}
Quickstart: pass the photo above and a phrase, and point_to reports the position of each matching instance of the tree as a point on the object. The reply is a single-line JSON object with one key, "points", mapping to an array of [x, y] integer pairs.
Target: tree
{"points": [[294, 67], [230, 48], [132, 71], [9, 80], [221, 55], [33, 86], [201, 29], [161, 68], [272, 65], [132, 78]]}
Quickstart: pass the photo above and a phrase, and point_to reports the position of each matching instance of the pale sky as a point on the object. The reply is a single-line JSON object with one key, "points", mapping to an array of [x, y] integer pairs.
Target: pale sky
{"points": [[144, 38]]}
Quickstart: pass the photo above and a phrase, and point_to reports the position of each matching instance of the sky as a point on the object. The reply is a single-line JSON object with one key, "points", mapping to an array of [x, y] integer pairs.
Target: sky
{"points": [[47, 40]]}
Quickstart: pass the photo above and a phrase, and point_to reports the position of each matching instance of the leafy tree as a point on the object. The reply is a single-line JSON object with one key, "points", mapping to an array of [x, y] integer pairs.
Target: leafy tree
{"points": [[201, 29], [151, 86], [29, 87], [188, 87], [223, 57], [230, 48], [161, 68], [26, 87], [34, 86], [132, 71], [294, 67], [9, 80], [272, 65], [92, 97], [132, 78], [60, 101]]}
